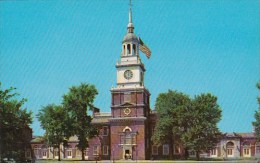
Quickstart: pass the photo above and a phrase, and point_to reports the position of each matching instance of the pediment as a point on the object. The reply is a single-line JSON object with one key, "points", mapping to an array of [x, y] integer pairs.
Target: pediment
{"points": [[127, 104]]}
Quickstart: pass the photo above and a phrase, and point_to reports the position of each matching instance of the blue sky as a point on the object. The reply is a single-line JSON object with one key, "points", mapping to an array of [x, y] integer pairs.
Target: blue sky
{"points": [[197, 46]]}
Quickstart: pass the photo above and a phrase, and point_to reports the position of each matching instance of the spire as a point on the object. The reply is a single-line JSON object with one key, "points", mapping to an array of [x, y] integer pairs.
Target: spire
{"points": [[130, 26], [130, 12]]}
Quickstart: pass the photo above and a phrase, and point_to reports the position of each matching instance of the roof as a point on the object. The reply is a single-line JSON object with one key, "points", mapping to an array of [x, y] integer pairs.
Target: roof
{"points": [[247, 135], [239, 135], [38, 139], [130, 37], [101, 118]]}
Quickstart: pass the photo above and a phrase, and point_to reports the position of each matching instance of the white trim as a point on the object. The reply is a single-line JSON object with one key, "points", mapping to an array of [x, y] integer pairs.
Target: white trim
{"points": [[214, 152], [127, 128], [246, 149], [95, 150], [56, 153], [44, 153], [166, 149]]}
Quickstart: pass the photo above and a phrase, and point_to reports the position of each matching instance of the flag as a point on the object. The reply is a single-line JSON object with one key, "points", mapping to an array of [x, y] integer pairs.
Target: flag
{"points": [[144, 48]]}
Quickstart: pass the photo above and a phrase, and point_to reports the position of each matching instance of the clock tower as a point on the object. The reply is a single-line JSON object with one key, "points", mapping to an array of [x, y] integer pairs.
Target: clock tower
{"points": [[130, 102], [130, 69]]}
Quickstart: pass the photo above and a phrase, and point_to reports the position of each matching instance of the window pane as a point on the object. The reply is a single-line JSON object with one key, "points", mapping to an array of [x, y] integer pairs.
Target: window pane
{"points": [[165, 149], [95, 150], [105, 150], [105, 130]]}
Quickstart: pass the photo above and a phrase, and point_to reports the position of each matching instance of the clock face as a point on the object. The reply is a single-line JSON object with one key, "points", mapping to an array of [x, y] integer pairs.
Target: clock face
{"points": [[128, 74]]}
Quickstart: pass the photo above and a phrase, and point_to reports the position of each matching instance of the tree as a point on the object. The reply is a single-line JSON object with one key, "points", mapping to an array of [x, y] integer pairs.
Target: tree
{"points": [[53, 121], [191, 122], [256, 123], [77, 103], [203, 133], [171, 108], [15, 133]]}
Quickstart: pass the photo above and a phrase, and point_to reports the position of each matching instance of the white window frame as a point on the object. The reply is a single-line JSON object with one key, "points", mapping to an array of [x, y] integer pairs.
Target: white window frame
{"points": [[56, 153], [230, 151], [44, 153], [247, 149], [166, 149], [69, 153], [105, 150], [214, 152], [246, 152], [95, 150], [154, 150]]}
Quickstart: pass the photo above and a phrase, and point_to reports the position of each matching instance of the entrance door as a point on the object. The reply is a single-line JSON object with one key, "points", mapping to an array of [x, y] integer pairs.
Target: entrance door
{"points": [[127, 154]]}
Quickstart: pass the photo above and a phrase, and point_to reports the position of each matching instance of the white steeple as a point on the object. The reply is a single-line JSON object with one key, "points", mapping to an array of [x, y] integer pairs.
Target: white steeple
{"points": [[130, 26], [130, 69]]}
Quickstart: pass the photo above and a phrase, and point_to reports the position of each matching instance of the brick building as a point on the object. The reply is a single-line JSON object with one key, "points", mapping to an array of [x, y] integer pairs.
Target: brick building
{"points": [[125, 132]]}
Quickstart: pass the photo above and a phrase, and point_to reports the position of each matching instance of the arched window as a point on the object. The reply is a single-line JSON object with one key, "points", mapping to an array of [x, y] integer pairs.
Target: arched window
{"points": [[128, 137], [246, 149], [128, 49], [134, 49], [230, 148], [124, 50]]}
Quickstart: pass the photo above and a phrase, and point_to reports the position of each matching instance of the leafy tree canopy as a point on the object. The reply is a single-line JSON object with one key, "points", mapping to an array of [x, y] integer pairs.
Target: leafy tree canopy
{"points": [[53, 121], [256, 123], [171, 124], [77, 102], [15, 133], [191, 122], [203, 133]]}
